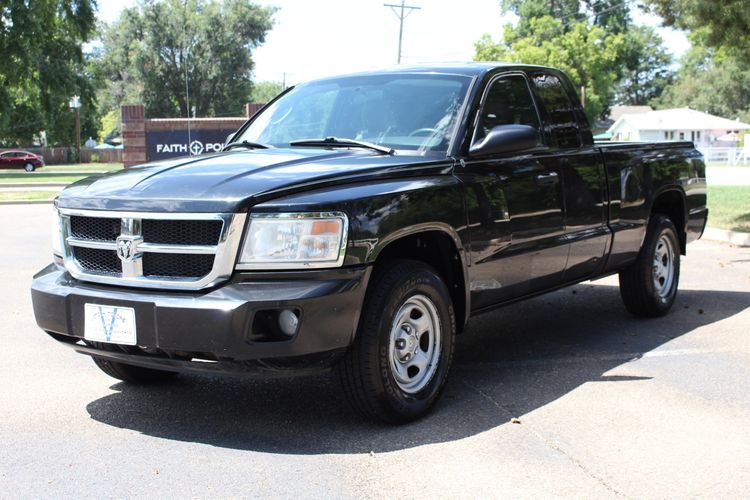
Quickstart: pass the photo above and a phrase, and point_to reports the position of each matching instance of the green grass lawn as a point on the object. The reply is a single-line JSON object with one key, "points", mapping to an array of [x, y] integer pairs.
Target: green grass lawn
{"points": [[83, 167], [722, 165], [27, 195], [729, 208], [729, 205], [41, 178]]}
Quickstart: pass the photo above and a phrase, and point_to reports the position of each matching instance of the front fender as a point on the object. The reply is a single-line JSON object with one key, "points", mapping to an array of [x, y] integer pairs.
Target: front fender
{"points": [[381, 212]]}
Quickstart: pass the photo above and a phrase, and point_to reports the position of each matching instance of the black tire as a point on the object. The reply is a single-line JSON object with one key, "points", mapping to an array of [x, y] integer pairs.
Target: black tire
{"points": [[132, 374], [642, 288], [369, 370], [29, 167]]}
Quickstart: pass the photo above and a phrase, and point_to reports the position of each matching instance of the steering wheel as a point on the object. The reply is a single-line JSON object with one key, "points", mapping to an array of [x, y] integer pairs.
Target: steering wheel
{"points": [[425, 131]]}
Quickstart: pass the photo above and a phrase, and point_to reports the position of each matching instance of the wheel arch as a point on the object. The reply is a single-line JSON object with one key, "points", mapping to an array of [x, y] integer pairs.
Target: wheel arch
{"points": [[672, 202], [435, 244]]}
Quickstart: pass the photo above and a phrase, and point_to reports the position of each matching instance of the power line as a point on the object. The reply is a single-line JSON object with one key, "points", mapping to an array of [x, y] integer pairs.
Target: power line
{"points": [[401, 16]]}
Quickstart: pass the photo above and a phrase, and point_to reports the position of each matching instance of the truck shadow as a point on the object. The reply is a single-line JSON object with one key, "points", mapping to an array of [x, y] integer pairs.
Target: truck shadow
{"points": [[508, 363]]}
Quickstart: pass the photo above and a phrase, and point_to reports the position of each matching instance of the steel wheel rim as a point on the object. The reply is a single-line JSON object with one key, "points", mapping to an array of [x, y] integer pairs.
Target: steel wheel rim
{"points": [[414, 345], [663, 266]]}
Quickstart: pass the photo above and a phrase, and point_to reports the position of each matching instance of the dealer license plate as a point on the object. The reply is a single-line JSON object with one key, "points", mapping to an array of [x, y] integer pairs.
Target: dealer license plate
{"points": [[109, 324]]}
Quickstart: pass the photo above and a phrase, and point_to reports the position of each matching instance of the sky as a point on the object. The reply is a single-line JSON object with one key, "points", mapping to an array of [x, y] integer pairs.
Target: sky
{"points": [[317, 38]]}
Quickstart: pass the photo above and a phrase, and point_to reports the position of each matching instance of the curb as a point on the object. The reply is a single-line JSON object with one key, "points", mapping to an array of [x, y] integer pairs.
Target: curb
{"points": [[733, 237], [27, 202]]}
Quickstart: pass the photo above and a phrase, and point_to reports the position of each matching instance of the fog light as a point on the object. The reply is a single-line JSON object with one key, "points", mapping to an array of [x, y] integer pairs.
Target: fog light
{"points": [[288, 322]]}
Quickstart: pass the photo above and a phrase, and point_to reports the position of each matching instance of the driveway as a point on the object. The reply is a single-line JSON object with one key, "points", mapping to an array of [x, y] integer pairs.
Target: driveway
{"points": [[607, 405]]}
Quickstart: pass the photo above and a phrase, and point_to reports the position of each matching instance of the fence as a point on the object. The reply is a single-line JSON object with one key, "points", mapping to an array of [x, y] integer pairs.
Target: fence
{"points": [[56, 156], [729, 156]]}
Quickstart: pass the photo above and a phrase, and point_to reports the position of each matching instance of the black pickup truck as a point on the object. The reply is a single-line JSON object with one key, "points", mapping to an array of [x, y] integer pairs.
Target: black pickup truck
{"points": [[357, 223]]}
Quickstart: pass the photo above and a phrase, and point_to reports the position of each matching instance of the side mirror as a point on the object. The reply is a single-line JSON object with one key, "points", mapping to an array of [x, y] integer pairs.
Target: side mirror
{"points": [[506, 139]]}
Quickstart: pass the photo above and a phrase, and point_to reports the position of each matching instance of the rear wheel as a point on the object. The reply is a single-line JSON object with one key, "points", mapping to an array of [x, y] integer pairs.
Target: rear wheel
{"points": [[29, 167], [649, 286], [399, 361], [132, 374]]}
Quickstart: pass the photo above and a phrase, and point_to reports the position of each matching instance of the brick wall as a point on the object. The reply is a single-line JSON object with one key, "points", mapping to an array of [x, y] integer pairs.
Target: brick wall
{"points": [[133, 134], [135, 125]]}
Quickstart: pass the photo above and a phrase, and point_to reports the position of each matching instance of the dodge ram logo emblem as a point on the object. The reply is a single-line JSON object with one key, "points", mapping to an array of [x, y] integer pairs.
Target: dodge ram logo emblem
{"points": [[125, 248]]}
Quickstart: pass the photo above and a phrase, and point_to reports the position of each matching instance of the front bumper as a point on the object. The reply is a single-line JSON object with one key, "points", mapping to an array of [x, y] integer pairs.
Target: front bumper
{"points": [[213, 331]]}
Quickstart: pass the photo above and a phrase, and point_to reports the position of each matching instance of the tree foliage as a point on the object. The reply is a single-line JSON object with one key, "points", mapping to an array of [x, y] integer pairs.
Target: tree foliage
{"points": [[263, 92], [594, 41], [155, 47], [644, 67], [724, 23], [582, 52], [42, 66], [713, 80]]}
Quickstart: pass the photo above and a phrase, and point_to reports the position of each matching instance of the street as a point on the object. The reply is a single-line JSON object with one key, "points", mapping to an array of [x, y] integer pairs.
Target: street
{"points": [[564, 395]]}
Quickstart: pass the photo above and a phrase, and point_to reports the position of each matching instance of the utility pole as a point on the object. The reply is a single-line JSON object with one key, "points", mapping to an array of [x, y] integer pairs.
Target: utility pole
{"points": [[401, 16], [78, 134], [187, 93], [75, 104]]}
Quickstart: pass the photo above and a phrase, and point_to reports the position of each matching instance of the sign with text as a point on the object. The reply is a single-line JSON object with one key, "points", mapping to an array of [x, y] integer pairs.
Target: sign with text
{"points": [[164, 144]]}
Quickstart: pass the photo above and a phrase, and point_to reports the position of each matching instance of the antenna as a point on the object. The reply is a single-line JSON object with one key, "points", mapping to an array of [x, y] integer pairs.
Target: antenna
{"points": [[401, 16]]}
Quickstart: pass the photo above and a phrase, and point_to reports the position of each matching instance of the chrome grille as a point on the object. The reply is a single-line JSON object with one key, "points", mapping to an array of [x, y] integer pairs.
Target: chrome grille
{"points": [[95, 228], [97, 261], [182, 232], [168, 265], [156, 250]]}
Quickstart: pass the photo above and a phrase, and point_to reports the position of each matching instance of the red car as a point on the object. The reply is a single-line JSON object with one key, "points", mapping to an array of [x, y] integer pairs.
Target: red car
{"points": [[21, 159]]}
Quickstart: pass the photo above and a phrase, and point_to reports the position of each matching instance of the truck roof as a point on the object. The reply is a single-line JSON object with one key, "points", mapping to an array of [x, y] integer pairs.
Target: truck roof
{"points": [[458, 68]]}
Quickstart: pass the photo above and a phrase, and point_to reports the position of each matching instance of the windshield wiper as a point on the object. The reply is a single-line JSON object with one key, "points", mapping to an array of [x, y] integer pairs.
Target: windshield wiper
{"points": [[245, 144], [336, 142]]}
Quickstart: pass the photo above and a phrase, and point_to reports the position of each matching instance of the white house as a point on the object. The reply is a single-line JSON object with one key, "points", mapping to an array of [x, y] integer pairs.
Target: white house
{"points": [[682, 124]]}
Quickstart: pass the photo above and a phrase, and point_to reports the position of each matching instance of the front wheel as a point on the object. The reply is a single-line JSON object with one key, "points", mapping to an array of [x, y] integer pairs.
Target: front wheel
{"points": [[648, 287], [29, 167], [399, 361]]}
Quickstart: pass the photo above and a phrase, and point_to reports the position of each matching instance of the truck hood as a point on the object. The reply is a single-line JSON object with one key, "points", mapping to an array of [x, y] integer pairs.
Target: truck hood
{"points": [[232, 181]]}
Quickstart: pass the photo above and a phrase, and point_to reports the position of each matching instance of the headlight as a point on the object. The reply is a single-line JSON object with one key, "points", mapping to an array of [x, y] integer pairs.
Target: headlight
{"points": [[294, 241], [56, 233]]}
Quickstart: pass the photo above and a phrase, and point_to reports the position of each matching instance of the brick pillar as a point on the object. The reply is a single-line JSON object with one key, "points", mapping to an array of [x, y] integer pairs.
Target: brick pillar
{"points": [[133, 134], [252, 107]]}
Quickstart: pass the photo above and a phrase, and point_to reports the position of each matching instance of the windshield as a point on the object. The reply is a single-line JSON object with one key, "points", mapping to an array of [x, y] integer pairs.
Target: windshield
{"points": [[400, 111]]}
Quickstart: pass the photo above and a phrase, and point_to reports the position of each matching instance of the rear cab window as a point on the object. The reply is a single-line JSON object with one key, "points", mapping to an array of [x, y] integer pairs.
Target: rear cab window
{"points": [[561, 127]]}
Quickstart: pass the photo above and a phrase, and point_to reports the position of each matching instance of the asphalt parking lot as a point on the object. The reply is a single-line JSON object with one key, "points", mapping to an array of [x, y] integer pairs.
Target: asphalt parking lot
{"points": [[607, 406]]}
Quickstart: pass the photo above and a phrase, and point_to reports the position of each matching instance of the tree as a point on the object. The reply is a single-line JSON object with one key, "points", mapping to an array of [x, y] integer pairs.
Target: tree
{"points": [[42, 66], [594, 41], [713, 80], [158, 48], [725, 23], [580, 49], [611, 15], [263, 92], [644, 64]]}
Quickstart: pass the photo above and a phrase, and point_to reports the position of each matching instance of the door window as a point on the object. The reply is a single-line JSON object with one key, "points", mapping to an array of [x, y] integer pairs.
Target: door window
{"points": [[508, 102], [562, 127]]}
